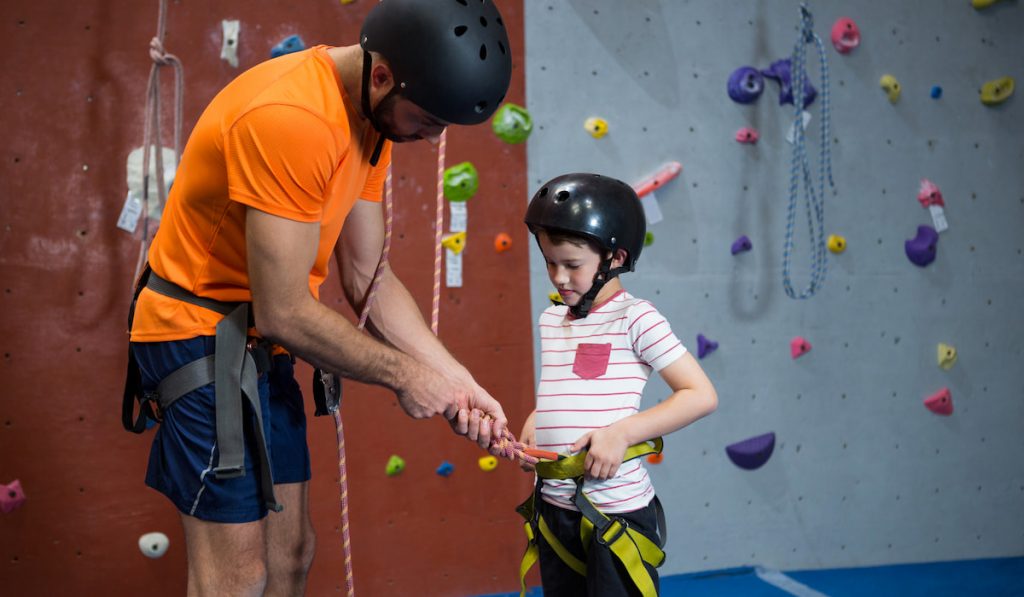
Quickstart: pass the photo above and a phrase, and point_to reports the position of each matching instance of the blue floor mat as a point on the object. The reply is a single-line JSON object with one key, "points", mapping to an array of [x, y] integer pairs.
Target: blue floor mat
{"points": [[1003, 577]]}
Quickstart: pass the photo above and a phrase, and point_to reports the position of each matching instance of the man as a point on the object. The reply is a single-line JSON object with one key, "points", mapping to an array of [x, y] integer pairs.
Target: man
{"points": [[281, 160]]}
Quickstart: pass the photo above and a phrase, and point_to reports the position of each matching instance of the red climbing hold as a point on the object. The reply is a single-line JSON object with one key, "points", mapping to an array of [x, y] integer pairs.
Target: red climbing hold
{"points": [[798, 347], [940, 403]]}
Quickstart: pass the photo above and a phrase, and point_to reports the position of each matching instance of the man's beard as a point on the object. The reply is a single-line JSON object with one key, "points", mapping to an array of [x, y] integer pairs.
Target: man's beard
{"points": [[384, 114]]}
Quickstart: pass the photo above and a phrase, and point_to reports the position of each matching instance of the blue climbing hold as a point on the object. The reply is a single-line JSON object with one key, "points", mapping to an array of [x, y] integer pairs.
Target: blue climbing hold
{"points": [[781, 71], [936, 92], [705, 346], [446, 469], [752, 453], [745, 85], [292, 43]]}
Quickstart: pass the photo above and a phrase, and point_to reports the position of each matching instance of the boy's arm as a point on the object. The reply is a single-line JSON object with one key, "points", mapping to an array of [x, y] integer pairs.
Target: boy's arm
{"points": [[693, 397]]}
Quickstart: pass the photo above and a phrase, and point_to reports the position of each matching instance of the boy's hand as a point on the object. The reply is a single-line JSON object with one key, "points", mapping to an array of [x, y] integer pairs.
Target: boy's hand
{"points": [[607, 447]]}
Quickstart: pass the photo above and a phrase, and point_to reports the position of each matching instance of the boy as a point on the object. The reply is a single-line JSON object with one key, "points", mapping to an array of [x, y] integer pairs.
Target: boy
{"points": [[597, 351]]}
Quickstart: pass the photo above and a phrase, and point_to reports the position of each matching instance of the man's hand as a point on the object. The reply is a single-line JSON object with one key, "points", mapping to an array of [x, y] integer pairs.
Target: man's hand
{"points": [[607, 449], [425, 393]]}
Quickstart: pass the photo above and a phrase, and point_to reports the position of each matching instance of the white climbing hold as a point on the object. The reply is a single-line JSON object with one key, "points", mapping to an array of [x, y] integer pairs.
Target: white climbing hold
{"points": [[229, 48], [154, 545]]}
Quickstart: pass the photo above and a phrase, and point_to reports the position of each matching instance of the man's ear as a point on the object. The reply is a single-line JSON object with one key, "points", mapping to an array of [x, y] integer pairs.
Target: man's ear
{"points": [[381, 77]]}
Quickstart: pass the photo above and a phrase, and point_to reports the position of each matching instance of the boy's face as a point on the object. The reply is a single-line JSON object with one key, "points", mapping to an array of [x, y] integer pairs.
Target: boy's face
{"points": [[571, 268]]}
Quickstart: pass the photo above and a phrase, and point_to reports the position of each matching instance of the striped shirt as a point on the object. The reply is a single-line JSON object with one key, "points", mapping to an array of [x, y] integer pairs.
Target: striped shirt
{"points": [[593, 372]]}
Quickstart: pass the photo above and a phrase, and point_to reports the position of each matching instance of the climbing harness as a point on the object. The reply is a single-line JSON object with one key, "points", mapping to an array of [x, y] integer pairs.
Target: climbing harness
{"points": [[800, 165], [151, 126], [234, 368], [597, 531]]}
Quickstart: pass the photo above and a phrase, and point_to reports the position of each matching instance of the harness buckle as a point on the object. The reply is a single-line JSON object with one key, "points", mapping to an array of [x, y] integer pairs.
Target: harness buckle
{"points": [[623, 528], [151, 400]]}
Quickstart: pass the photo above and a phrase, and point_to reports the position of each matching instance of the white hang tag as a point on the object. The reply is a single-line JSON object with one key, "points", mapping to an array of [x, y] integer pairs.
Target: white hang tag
{"points": [[938, 217], [229, 48], [458, 215], [652, 209], [129, 218], [791, 135], [453, 269]]}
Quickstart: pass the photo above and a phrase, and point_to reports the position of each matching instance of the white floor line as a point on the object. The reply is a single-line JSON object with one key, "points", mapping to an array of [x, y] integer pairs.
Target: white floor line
{"points": [[790, 585]]}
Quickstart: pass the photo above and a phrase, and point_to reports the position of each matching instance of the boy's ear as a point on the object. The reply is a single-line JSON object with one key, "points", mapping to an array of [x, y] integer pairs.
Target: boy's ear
{"points": [[619, 258]]}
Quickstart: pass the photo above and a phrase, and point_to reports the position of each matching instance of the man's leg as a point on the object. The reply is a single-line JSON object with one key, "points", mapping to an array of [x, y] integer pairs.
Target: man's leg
{"points": [[291, 541], [225, 558]]}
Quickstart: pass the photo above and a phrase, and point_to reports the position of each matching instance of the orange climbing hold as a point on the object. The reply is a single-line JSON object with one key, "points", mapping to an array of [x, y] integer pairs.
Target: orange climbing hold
{"points": [[502, 243]]}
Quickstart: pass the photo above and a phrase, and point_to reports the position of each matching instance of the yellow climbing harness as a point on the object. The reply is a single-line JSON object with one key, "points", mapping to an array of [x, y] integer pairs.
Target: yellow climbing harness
{"points": [[631, 547]]}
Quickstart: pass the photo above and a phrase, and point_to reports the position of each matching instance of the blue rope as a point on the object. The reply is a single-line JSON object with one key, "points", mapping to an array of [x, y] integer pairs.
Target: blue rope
{"points": [[800, 166]]}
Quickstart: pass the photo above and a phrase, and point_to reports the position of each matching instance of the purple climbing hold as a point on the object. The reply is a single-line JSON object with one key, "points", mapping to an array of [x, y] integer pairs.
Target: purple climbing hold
{"points": [[752, 453], [745, 85], [705, 346], [921, 249], [781, 71], [741, 244]]}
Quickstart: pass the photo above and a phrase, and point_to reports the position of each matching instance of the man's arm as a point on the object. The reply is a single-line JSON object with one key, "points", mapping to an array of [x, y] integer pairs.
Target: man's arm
{"points": [[394, 316], [281, 253]]}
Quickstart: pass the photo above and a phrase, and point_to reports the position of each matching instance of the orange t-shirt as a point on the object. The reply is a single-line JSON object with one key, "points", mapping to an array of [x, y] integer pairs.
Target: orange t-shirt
{"points": [[283, 138]]}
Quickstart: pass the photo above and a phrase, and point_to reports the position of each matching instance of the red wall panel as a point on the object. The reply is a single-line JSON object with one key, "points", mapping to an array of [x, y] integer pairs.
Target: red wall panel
{"points": [[72, 98]]}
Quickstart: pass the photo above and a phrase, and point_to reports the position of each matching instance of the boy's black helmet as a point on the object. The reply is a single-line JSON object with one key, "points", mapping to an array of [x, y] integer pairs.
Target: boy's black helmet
{"points": [[450, 57], [603, 209]]}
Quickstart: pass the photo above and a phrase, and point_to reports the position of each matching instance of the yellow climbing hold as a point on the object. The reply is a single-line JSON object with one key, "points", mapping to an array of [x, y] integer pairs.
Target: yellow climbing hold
{"points": [[836, 243], [456, 242], [980, 4], [947, 356], [597, 127], [891, 87], [488, 463], [997, 91]]}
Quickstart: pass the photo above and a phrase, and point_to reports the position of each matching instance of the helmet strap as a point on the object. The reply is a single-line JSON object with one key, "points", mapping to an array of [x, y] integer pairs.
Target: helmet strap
{"points": [[369, 112], [603, 275]]}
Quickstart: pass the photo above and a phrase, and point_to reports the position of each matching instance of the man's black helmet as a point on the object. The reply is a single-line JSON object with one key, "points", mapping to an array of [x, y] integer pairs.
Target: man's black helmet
{"points": [[597, 207], [450, 57]]}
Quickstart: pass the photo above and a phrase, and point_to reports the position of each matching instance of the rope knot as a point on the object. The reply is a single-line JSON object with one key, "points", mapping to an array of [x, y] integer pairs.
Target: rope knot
{"points": [[159, 55]]}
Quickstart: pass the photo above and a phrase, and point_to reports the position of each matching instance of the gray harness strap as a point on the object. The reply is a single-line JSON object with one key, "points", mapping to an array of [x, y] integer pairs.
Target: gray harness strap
{"points": [[234, 374]]}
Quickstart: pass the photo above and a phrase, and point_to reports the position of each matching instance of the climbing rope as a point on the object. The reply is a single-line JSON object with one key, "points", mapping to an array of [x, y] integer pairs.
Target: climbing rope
{"points": [[507, 446], [151, 126], [800, 166]]}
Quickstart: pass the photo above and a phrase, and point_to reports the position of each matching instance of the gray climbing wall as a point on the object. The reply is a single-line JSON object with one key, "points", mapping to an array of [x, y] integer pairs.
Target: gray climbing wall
{"points": [[862, 472]]}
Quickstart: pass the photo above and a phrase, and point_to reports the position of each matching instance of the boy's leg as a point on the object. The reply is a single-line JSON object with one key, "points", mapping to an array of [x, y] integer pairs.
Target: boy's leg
{"points": [[291, 541], [225, 558], [606, 576], [558, 579]]}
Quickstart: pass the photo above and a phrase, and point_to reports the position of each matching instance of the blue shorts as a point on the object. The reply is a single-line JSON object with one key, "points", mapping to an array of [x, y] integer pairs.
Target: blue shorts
{"points": [[184, 450]]}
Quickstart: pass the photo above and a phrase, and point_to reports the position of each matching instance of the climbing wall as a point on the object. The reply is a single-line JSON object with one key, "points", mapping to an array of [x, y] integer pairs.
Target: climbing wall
{"points": [[862, 472], [72, 99]]}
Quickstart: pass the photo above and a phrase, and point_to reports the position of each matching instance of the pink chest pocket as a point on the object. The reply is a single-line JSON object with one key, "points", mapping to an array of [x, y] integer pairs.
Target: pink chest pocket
{"points": [[591, 360]]}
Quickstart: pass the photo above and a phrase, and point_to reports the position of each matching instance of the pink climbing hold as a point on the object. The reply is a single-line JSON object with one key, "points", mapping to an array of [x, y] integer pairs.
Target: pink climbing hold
{"points": [[845, 35], [11, 496], [930, 194], [940, 403], [798, 347], [747, 135]]}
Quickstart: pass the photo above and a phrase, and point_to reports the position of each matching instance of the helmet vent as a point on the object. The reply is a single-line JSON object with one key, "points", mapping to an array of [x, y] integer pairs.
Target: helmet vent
{"points": [[500, 22], [480, 106], [501, 47], [483, 21], [543, 192], [483, 51], [561, 195], [461, 30], [463, 2]]}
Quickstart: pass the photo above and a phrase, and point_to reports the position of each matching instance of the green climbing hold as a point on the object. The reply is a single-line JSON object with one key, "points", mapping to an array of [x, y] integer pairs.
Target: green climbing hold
{"points": [[512, 123], [648, 238], [461, 182], [395, 465]]}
